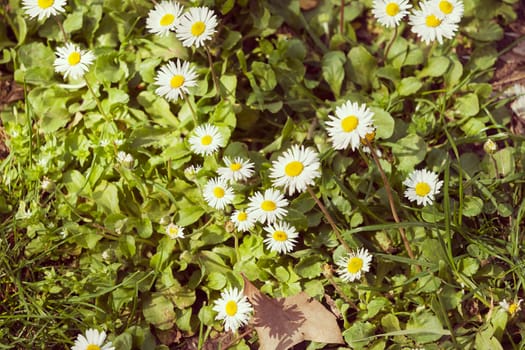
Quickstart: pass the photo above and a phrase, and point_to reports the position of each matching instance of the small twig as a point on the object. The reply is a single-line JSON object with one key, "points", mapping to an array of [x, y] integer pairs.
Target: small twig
{"points": [[329, 218], [393, 209]]}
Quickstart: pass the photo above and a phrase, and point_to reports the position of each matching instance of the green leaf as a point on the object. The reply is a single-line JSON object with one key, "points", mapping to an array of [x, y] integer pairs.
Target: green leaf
{"points": [[427, 326], [36, 62], [333, 70], [73, 22], [157, 108], [409, 151], [505, 160], [106, 197], [267, 80], [467, 105], [376, 306], [472, 206], [436, 67], [383, 122], [409, 86], [109, 69], [363, 66], [158, 310], [487, 31], [309, 266], [358, 335]]}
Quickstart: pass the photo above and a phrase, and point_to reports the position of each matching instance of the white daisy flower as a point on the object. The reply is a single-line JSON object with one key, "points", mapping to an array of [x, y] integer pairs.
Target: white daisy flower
{"points": [[236, 170], [217, 193], [125, 159], [163, 17], [511, 308], [451, 9], [174, 231], [268, 207], [430, 25], [191, 171], [295, 169], [174, 79], [351, 123], [72, 61], [390, 12], [281, 237], [422, 186], [243, 220], [234, 308], [93, 340], [43, 8], [206, 140], [352, 265], [196, 26]]}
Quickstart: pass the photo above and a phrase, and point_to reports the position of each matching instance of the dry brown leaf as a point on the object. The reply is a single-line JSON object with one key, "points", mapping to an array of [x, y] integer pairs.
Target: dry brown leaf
{"points": [[284, 322], [308, 4]]}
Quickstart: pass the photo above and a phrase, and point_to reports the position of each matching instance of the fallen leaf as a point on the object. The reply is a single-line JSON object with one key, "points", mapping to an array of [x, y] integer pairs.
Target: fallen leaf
{"points": [[284, 322], [308, 4]]}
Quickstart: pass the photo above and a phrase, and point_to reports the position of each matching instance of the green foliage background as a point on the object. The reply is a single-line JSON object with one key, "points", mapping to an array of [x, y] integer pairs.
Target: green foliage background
{"points": [[88, 249]]}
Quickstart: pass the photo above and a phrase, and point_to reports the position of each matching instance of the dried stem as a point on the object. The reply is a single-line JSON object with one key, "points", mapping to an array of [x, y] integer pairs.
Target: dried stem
{"points": [[330, 219], [61, 29], [391, 202]]}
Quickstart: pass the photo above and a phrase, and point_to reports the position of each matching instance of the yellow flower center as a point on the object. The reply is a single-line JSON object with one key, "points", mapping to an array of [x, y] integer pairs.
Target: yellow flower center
{"points": [[167, 19], [92, 347], [218, 192], [513, 308], [198, 28], [177, 81], [44, 4], [294, 168], [242, 216], [235, 166], [433, 21], [173, 230], [392, 9], [267, 205], [231, 308], [355, 264], [422, 189], [280, 236], [349, 123], [206, 140], [446, 7], [74, 58]]}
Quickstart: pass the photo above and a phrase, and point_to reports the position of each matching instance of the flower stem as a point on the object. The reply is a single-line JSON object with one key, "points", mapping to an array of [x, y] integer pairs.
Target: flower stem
{"points": [[327, 272], [389, 46], [214, 77], [342, 17], [330, 219], [99, 105], [393, 209], [61, 29], [193, 113]]}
